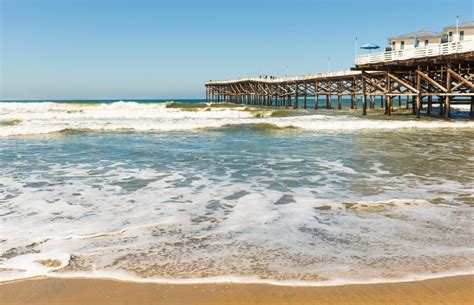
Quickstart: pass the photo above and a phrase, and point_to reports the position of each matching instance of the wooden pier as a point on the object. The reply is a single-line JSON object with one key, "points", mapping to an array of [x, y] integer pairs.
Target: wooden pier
{"points": [[442, 77]]}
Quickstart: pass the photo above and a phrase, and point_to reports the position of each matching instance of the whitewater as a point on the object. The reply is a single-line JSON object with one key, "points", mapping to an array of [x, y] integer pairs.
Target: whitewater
{"points": [[194, 192], [22, 118]]}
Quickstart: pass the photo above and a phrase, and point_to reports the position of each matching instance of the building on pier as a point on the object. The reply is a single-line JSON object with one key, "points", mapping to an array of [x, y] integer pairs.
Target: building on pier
{"points": [[459, 32], [424, 38], [412, 40]]}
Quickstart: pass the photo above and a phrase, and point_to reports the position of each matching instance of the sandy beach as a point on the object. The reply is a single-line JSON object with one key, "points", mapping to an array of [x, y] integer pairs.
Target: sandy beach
{"points": [[449, 290]]}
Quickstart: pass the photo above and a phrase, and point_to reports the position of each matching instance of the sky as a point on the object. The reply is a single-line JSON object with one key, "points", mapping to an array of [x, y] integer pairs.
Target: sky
{"points": [[143, 49]]}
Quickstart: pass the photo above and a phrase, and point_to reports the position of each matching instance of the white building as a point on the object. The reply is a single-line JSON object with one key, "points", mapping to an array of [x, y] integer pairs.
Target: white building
{"points": [[460, 32], [416, 39]]}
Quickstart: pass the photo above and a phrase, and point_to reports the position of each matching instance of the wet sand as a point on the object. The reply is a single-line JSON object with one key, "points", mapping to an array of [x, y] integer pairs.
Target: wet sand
{"points": [[449, 290]]}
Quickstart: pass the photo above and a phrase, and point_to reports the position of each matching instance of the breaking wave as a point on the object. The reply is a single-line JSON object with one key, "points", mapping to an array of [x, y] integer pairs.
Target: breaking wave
{"points": [[48, 117]]}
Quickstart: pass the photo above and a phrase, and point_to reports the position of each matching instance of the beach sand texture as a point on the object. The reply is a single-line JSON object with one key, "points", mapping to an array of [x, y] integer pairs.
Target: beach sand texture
{"points": [[451, 290]]}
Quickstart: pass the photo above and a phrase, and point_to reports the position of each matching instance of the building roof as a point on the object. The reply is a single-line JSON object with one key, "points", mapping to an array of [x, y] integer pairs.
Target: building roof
{"points": [[463, 25], [418, 34]]}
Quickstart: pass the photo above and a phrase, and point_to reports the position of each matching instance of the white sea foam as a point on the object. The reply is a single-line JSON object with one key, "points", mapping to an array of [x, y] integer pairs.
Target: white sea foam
{"points": [[295, 209], [43, 118], [127, 277], [114, 224]]}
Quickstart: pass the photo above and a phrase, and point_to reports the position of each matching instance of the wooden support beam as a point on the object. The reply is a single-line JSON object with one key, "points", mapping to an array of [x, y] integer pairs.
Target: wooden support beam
{"points": [[364, 98], [296, 97], [447, 101], [305, 95], [316, 95], [430, 103], [453, 73], [339, 96], [400, 81], [418, 96], [369, 79], [388, 100], [452, 94], [354, 91], [431, 81]]}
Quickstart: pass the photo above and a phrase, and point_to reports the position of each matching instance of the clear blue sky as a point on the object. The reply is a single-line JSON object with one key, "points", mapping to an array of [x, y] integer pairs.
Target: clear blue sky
{"points": [[86, 49]]}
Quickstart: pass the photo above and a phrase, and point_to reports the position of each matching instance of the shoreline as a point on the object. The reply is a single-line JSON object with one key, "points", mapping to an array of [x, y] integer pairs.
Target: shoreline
{"points": [[60, 290], [122, 276]]}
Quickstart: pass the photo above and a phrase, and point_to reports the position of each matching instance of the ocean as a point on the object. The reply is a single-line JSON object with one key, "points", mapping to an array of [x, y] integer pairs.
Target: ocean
{"points": [[184, 191]]}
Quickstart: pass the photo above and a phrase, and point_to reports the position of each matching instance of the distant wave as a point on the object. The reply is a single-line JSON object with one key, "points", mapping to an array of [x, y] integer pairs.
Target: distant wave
{"points": [[263, 127]]}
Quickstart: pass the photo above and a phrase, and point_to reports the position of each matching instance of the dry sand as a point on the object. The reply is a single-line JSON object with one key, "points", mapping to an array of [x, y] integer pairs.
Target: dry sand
{"points": [[449, 290]]}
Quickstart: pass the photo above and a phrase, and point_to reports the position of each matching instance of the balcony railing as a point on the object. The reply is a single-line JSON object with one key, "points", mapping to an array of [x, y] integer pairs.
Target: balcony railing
{"points": [[431, 50]]}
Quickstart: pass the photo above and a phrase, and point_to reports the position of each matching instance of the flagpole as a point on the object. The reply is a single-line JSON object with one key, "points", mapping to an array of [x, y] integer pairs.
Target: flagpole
{"points": [[457, 27]]}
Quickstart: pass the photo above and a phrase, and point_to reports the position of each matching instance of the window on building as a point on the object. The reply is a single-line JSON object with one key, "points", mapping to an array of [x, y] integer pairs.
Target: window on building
{"points": [[461, 35], [426, 42], [450, 36], [402, 45], [393, 45]]}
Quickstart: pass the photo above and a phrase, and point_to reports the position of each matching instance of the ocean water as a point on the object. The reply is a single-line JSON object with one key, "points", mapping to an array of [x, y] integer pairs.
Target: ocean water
{"points": [[188, 191]]}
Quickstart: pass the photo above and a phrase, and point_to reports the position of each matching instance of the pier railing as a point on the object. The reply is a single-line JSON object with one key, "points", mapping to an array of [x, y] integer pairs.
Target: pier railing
{"points": [[431, 50], [286, 79]]}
